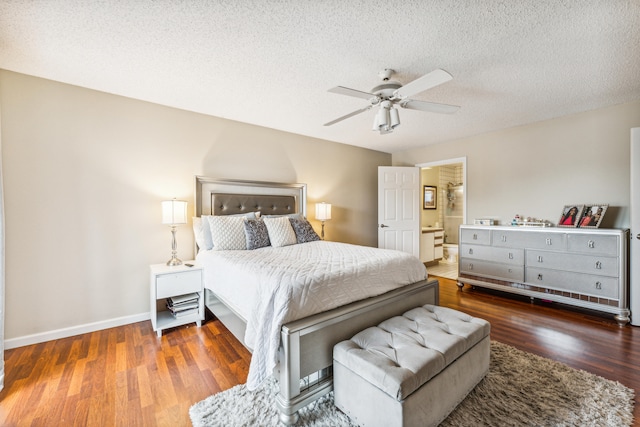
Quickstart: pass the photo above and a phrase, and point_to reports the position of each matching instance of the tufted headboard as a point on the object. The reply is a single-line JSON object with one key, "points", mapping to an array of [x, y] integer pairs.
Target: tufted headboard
{"points": [[226, 197], [229, 204]]}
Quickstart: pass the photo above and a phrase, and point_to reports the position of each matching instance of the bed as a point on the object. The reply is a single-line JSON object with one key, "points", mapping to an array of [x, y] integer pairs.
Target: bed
{"points": [[290, 304]]}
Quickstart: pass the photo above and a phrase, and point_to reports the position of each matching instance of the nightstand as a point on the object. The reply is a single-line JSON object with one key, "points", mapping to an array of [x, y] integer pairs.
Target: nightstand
{"points": [[172, 282]]}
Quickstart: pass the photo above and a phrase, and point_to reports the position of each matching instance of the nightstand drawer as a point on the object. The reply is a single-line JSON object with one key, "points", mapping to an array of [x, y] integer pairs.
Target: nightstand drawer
{"points": [[172, 284]]}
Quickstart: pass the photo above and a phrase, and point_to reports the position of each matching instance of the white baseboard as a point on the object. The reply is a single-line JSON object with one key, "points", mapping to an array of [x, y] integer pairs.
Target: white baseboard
{"points": [[74, 330]]}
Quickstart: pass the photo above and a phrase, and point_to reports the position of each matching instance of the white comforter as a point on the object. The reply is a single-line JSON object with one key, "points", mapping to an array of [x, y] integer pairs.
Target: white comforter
{"points": [[296, 281]]}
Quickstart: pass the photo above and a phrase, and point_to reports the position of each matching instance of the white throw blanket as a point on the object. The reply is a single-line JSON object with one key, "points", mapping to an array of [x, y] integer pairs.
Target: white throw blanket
{"points": [[296, 281]]}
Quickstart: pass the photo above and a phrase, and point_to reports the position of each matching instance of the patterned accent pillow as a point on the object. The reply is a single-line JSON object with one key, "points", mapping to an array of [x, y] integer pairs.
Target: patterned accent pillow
{"points": [[304, 231], [227, 232], [256, 234], [280, 231]]}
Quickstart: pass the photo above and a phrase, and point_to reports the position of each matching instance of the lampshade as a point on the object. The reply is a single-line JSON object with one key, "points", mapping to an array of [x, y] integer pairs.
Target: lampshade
{"points": [[383, 118], [174, 212], [395, 118], [323, 211]]}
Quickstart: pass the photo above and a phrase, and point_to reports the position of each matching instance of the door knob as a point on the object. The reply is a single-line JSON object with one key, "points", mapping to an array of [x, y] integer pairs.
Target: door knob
{"points": [[383, 226], [638, 236]]}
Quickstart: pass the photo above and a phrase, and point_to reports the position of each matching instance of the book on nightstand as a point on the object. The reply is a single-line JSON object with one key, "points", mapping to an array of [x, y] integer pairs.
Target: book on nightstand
{"points": [[180, 299], [183, 305], [183, 313]]}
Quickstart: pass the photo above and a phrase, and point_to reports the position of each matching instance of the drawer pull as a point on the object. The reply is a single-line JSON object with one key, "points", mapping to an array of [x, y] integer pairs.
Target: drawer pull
{"points": [[470, 251], [539, 276], [510, 255], [598, 265], [591, 244], [475, 236], [598, 285], [470, 266], [539, 258], [548, 241], [504, 238]]}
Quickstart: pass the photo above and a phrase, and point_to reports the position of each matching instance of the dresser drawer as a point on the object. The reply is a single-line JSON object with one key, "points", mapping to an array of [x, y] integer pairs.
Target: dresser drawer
{"points": [[475, 236], [172, 284], [585, 284], [529, 239], [593, 244], [489, 269], [599, 265], [511, 256]]}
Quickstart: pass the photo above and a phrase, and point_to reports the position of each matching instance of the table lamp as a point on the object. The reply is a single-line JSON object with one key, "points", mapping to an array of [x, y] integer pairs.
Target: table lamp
{"points": [[323, 213], [174, 212]]}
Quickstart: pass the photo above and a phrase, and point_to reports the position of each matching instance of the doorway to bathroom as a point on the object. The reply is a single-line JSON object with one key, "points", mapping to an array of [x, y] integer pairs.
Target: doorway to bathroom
{"points": [[449, 179]]}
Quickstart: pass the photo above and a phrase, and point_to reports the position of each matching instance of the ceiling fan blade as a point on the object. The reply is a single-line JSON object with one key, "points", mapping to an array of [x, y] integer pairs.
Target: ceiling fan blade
{"points": [[339, 119], [433, 79], [352, 92], [431, 107]]}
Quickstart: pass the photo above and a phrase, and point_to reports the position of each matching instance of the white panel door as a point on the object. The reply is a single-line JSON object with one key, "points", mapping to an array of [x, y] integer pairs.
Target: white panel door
{"points": [[399, 209], [634, 248]]}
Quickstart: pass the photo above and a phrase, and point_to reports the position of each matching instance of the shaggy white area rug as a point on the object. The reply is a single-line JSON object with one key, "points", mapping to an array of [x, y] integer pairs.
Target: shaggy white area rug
{"points": [[521, 389]]}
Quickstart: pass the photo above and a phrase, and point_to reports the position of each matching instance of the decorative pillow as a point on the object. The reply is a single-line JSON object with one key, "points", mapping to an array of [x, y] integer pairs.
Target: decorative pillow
{"points": [[227, 232], [280, 231], [256, 234], [197, 231], [248, 215], [293, 215], [202, 232], [304, 231]]}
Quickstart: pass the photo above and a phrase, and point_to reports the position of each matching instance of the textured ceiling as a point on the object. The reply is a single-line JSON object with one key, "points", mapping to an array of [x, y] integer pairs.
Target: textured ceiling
{"points": [[270, 63]]}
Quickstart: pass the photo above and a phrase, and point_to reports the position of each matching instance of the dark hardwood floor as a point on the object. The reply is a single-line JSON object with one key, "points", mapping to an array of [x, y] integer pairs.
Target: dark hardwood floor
{"points": [[125, 376]]}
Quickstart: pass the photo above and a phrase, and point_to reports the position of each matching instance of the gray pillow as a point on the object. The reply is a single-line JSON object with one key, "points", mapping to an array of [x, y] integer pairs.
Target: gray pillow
{"points": [[304, 231], [256, 234]]}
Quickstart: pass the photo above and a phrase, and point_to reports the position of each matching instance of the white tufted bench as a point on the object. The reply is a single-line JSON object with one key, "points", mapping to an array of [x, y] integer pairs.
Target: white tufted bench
{"points": [[411, 370]]}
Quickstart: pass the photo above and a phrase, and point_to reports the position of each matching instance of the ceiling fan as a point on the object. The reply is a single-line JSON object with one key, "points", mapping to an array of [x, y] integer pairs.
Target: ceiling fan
{"points": [[391, 92]]}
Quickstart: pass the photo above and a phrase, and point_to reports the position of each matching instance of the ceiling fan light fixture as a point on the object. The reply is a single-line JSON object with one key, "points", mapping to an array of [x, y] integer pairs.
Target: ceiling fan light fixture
{"points": [[386, 119], [395, 118], [383, 117]]}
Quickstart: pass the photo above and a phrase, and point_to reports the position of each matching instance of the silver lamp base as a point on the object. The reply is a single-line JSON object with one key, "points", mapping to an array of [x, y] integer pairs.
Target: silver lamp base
{"points": [[174, 261], [174, 249]]}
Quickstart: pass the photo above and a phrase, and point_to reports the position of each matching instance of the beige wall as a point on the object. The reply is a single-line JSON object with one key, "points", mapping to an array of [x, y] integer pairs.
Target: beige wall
{"points": [[84, 174], [535, 170]]}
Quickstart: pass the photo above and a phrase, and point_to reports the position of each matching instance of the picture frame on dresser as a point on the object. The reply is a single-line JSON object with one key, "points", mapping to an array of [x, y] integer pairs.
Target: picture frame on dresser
{"points": [[592, 215], [430, 197], [570, 216]]}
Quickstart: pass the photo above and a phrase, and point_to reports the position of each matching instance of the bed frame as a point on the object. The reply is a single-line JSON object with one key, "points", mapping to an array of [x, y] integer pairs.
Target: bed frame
{"points": [[306, 348]]}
